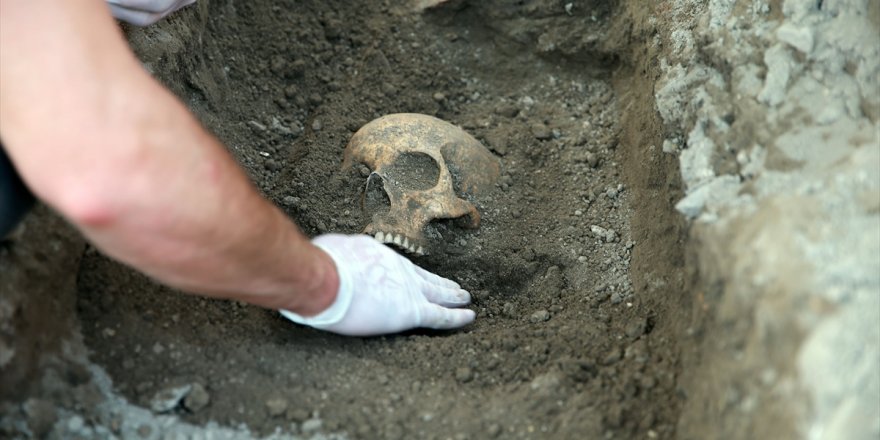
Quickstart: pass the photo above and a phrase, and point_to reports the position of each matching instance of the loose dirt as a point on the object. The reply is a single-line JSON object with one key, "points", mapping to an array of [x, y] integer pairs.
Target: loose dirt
{"points": [[572, 271]]}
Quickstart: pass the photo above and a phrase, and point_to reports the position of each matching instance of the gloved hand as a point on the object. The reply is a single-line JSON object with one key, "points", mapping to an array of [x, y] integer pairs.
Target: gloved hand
{"points": [[382, 292], [145, 12]]}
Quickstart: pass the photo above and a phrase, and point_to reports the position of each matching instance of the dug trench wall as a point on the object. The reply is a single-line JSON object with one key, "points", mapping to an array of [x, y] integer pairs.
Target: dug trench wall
{"points": [[770, 110]]}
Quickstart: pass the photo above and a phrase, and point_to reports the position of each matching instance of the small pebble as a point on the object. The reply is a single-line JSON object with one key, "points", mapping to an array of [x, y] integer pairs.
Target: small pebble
{"points": [[612, 357], [317, 125], [197, 399], [582, 259], [507, 110], [272, 165], [636, 327], [312, 425], [508, 310], [439, 97], [541, 132], [257, 126], [276, 406], [539, 316], [578, 212], [464, 374], [494, 430], [297, 414], [388, 89], [169, 398]]}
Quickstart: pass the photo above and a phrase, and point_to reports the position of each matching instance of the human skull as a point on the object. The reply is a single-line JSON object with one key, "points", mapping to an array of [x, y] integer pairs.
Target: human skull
{"points": [[427, 167]]}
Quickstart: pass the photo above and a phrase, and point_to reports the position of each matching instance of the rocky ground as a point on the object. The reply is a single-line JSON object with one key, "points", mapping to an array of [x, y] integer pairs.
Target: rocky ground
{"points": [[684, 241]]}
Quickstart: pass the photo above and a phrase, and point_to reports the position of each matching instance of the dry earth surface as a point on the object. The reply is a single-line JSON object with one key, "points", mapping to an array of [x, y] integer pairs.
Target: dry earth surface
{"points": [[641, 267]]}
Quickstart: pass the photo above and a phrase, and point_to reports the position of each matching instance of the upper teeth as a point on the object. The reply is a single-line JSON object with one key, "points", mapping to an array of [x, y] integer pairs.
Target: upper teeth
{"points": [[400, 241]]}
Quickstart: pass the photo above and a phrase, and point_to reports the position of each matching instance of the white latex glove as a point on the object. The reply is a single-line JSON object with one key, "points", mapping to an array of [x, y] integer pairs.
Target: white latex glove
{"points": [[382, 292], [145, 12]]}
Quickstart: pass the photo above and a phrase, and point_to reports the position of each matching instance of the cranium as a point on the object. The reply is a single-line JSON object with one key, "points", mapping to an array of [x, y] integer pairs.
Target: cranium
{"points": [[427, 168]]}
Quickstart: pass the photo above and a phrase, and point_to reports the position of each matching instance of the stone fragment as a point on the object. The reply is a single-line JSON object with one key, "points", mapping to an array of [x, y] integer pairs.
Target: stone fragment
{"points": [[464, 374], [197, 399], [508, 310], [276, 406], [311, 426], [41, 415], [507, 110], [779, 64], [168, 399], [539, 316], [800, 38], [541, 131]]}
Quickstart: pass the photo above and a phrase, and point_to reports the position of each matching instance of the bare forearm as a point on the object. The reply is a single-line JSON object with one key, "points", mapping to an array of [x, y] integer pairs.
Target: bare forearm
{"points": [[98, 139], [181, 209]]}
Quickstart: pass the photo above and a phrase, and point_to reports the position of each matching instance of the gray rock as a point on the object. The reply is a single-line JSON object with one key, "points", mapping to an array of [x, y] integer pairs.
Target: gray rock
{"points": [[311, 426], [636, 327], [197, 399], [507, 110], [612, 357], [297, 414], [168, 399], [464, 374], [541, 131], [715, 191], [800, 38], [539, 316], [779, 63], [276, 406], [508, 310], [41, 415], [257, 126], [592, 160]]}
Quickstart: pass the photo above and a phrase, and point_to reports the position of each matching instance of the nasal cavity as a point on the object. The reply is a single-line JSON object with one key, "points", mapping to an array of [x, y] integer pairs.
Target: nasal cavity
{"points": [[413, 171], [376, 200]]}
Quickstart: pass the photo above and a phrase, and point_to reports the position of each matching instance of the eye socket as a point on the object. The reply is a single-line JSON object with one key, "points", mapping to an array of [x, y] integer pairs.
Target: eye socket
{"points": [[413, 171]]}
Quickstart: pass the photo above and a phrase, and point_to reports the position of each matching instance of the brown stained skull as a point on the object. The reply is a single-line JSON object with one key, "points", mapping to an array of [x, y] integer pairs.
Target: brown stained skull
{"points": [[425, 168]]}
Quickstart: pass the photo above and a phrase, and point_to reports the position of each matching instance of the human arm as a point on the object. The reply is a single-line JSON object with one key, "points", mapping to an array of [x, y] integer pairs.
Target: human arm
{"points": [[96, 138], [126, 162]]}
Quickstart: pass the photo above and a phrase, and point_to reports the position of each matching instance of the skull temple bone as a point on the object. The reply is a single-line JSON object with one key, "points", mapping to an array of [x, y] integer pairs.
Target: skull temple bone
{"points": [[421, 169]]}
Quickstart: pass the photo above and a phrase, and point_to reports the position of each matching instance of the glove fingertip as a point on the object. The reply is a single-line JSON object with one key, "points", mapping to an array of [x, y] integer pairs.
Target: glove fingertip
{"points": [[442, 318]]}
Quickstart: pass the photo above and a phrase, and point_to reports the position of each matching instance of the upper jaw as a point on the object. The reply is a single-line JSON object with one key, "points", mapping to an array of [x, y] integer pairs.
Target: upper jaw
{"points": [[408, 244]]}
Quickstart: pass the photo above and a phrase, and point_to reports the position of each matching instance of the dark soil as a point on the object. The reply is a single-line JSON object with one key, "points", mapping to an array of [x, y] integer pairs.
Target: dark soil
{"points": [[572, 270]]}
